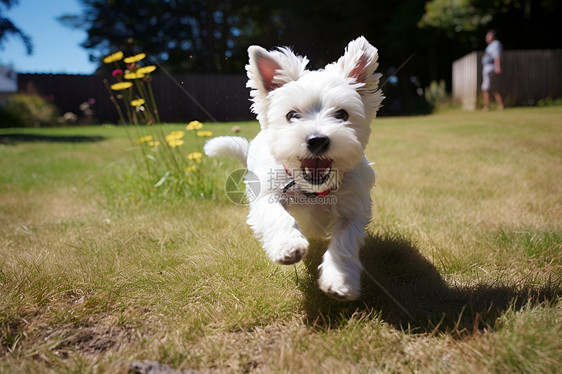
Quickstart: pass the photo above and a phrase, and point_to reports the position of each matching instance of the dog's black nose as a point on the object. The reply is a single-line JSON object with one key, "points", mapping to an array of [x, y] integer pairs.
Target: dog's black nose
{"points": [[317, 144]]}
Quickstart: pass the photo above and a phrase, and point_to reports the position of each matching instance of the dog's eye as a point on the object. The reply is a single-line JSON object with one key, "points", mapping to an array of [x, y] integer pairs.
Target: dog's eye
{"points": [[341, 115], [292, 115]]}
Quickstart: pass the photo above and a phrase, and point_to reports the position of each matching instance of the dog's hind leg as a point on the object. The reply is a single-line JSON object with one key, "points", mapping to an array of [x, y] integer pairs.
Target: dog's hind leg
{"points": [[340, 271]]}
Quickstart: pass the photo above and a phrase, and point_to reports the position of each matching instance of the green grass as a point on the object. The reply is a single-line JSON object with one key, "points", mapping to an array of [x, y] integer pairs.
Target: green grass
{"points": [[97, 271]]}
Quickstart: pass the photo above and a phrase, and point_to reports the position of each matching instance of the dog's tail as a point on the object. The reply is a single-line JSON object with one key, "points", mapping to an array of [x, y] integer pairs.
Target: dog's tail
{"points": [[233, 146]]}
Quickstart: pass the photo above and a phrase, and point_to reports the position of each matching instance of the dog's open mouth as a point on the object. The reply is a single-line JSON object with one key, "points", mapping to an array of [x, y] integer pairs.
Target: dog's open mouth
{"points": [[316, 170]]}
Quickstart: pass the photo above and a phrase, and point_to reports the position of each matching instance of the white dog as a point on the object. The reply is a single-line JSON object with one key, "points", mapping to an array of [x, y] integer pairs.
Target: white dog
{"points": [[314, 180]]}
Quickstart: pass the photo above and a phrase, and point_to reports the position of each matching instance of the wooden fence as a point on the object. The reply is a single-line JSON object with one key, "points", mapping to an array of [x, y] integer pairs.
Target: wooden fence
{"points": [[180, 99], [527, 77]]}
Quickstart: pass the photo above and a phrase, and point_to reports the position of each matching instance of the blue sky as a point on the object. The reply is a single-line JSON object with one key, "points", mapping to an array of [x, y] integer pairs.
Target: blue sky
{"points": [[56, 48]]}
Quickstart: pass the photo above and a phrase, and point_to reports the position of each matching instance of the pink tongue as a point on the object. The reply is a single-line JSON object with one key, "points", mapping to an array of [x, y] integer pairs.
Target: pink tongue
{"points": [[317, 167]]}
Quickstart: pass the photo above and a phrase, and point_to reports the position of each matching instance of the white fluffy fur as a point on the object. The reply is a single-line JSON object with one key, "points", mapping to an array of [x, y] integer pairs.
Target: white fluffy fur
{"points": [[235, 147], [280, 84]]}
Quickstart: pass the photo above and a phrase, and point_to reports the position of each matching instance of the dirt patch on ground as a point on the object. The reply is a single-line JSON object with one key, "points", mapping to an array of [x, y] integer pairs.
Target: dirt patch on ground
{"points": [[89, 338]]}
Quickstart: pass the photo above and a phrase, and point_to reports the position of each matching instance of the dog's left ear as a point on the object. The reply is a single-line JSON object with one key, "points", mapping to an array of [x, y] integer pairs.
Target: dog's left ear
{"points": [[359, 63]]}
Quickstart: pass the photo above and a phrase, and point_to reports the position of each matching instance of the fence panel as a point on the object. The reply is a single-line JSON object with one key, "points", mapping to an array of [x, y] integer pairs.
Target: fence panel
{"points": [[186, 97], [465, 78]]}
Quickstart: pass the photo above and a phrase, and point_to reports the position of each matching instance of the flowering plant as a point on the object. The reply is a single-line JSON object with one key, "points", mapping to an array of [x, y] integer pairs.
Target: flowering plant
{"points": [[134, 98], [166, 161]]}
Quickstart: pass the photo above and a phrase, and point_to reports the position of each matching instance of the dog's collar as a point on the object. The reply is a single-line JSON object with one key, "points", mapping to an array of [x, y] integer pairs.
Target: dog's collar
{"points": [[293, 182]]}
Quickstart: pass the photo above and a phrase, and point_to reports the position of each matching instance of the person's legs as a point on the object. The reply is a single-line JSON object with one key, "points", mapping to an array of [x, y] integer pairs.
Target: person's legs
{"points": [[487, 72], [486, 97], [499, 100]]}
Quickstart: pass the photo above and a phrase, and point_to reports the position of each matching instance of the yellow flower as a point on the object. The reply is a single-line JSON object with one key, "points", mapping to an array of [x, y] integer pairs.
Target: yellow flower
{"points": [[175, 142], [195, 156], [134, 58], [121, 86], [133, 75], [194, 125], [174, 138], [145, 139], [191, 168], [146, 69], [174, 135], [137, 102], [204, 133], [154, 144], [113, 57]]}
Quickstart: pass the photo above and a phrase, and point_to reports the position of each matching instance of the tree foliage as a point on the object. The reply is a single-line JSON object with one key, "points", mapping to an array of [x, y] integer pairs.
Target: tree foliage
{"points": [[212, 36], [454, 16], [7, 27], [520, 23], [184, 35]]}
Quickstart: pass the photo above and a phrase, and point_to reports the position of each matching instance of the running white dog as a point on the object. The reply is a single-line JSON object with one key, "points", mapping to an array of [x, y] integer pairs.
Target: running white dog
{"points": [[308, 159]]}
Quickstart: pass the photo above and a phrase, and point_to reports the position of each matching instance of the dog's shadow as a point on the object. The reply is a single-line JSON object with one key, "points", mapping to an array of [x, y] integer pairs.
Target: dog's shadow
{"points": [[404, 289]]}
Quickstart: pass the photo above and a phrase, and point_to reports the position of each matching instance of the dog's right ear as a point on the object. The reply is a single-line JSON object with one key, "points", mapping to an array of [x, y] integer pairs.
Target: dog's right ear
{"points": [[265, 67], [270, 70]]}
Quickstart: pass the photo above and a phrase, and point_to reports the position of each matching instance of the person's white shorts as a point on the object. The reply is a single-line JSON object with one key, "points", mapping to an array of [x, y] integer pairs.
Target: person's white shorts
{"points": [[487, 74]]}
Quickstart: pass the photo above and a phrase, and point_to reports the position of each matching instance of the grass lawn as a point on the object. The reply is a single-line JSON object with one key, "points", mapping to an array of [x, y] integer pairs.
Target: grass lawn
{"points": [[463, 264]]}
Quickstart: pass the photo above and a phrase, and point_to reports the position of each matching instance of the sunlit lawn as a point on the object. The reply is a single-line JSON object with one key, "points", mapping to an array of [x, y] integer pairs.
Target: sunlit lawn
{"points": [[463, 263]]}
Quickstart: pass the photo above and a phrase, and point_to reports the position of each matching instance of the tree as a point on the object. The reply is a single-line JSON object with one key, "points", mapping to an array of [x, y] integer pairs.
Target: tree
{"points": [[183, 35], [454, 16], [521, 24], [7, 27], [212, 36]]}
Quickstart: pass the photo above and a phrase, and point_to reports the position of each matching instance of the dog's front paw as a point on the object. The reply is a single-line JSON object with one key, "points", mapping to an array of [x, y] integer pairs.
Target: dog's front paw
{"points": [[289, 251], [340, 287]]}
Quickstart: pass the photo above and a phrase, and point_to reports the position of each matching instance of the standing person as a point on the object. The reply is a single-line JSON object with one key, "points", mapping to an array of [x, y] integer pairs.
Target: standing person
{"points": [[491, 66]]}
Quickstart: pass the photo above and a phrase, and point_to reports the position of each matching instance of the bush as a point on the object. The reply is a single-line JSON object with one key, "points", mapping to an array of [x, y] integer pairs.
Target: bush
{"points": [[28, 111], [436, 93], [549, 101]]}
